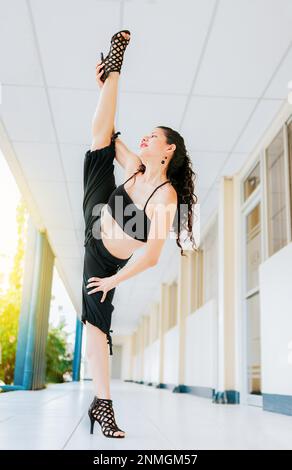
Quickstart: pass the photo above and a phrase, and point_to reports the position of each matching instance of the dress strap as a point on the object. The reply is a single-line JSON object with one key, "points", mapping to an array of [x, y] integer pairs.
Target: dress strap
{"points": [[130, 177], [168, 181]]}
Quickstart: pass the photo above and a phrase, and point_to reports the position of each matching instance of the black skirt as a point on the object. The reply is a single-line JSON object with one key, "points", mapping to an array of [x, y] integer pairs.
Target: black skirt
{"points": [[98, 184]]}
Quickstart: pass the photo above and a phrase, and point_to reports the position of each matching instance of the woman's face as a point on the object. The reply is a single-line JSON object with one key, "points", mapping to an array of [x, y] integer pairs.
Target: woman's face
{"points": [[154, 143]]}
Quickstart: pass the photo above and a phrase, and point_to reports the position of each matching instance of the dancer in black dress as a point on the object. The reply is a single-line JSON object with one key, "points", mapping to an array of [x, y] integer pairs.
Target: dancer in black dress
{"points": [[103, 270], [99, 183]]}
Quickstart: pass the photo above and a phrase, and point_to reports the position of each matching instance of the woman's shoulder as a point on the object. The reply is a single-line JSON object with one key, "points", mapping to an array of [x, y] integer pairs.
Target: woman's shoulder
{"points": [[170, 190], [166, 193]]}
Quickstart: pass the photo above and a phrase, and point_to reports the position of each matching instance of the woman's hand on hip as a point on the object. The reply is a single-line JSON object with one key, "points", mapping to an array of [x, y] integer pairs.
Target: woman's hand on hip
{"points": [[101, 283]]}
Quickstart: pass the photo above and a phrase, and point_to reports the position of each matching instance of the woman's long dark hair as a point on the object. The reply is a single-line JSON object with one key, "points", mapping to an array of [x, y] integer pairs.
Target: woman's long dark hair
{"points": [[182, 177]]}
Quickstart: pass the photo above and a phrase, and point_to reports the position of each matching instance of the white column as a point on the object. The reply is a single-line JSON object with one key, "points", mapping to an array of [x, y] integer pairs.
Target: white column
{"points": [[162, 314], [226, 286], [183, 309]]}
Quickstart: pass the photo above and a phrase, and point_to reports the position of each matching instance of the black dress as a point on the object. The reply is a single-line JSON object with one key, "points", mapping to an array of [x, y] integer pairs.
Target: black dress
{"points": [[98, 184]]}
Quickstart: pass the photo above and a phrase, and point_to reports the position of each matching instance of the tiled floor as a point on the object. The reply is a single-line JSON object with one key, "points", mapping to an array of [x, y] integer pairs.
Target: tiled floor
{"points": [[56, 418]]}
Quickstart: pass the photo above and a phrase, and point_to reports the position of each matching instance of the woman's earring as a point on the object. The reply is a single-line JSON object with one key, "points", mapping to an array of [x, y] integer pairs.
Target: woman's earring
{"points": [[162, 161]]}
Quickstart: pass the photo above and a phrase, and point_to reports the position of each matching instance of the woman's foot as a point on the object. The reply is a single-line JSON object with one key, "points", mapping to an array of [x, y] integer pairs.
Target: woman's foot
{"points": [[114, 60], [101, 410], [126, 35]]}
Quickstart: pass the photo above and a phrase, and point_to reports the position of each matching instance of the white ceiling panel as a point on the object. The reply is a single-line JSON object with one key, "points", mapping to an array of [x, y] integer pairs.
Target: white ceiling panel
{"points": [[26, 114], [70, 36], [257, 124], [73, 111], [73, 264], [140, 113], [62, 219], [243, 50], [66, 250], [80, 235], [75, 197], [19, 59], [278, 87], [213, 124], [52, 200], [168, 38], [206, 165], [39, 160], [78, 220], [201, 192], [234, 163], [63, 236], [73, 159]]}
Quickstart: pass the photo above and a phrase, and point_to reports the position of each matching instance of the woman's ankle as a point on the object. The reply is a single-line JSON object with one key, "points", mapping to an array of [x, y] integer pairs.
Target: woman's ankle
{"points": [[114, 75]]}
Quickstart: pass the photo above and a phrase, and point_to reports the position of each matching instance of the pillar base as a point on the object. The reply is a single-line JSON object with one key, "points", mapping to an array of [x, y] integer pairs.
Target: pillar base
{"points": [[226, 397]]}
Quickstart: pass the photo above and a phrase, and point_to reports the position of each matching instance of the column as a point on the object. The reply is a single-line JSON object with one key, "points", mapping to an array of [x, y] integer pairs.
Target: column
{"points": [[162, 313], [226, 392], [77, 351], [141, 350], [183, 309], [32, 358], [27, 286]]}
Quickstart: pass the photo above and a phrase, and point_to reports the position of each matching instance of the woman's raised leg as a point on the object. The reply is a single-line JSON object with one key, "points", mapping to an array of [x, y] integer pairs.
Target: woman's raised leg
{"points": [[104, 116]]}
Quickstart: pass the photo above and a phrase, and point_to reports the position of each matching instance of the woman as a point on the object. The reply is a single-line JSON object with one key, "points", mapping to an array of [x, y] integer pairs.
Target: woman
{"points": [[162, 172]]}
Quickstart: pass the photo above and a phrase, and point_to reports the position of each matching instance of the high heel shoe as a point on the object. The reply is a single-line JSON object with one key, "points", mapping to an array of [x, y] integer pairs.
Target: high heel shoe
{"points": [[101, 410], [114, 59]]}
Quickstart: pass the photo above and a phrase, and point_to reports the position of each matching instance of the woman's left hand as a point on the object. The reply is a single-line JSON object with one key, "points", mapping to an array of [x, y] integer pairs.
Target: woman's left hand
{"points": [[101, 283]]}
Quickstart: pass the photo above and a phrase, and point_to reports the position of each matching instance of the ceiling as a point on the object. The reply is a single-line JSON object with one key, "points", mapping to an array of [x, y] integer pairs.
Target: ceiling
{"points": [[216, 71]]}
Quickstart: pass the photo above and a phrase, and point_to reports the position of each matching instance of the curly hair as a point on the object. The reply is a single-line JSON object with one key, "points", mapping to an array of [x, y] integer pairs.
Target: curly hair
{"points": [[182, 177]]}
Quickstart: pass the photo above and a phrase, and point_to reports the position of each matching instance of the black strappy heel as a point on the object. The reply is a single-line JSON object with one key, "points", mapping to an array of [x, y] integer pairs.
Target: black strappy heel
{"points": [[114, 59], [101, 410]]}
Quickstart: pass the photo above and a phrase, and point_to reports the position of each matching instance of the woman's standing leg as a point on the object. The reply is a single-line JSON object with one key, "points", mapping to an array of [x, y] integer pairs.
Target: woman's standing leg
{"points": [[98, 358]]}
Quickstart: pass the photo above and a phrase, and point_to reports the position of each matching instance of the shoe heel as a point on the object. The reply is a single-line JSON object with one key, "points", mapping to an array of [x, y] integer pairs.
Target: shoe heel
{"points": [[92, 421]]}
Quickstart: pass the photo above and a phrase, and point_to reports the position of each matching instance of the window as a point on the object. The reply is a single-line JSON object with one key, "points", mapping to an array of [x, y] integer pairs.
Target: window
{"points": [[251, 182], [253, 248], [277, 215]]}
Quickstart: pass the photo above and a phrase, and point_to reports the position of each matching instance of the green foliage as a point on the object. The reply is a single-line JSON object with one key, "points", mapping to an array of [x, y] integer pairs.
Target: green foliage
{"points": [[59, 360], [10, 302]]}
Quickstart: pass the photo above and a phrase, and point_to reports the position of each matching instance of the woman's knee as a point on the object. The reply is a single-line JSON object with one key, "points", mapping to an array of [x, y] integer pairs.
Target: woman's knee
{"points": [[94, 337]]}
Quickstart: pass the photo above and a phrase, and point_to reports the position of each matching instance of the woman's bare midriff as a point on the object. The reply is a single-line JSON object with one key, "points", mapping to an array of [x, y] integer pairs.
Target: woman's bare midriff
{"points": [[117, 242]]}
